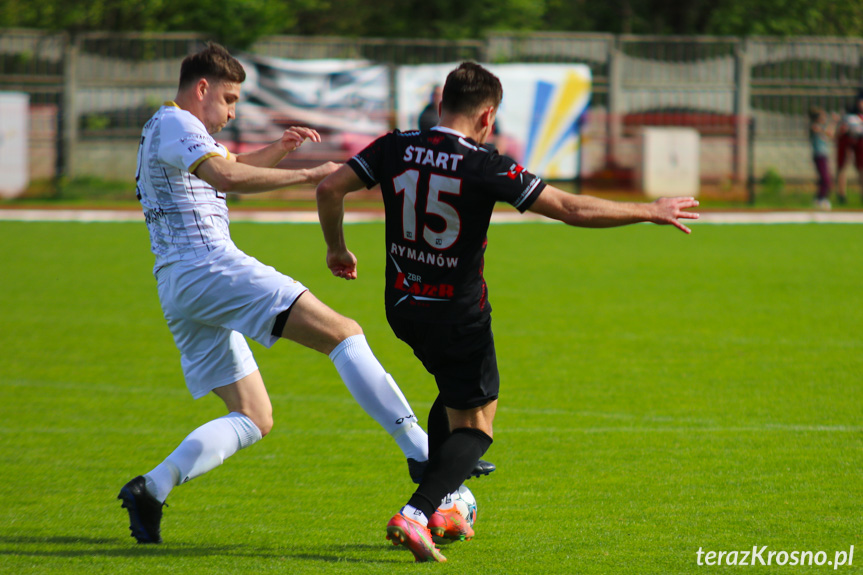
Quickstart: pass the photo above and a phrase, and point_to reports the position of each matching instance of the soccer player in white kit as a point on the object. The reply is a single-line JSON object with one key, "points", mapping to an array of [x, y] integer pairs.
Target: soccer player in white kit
{"points": [[212, 294]]}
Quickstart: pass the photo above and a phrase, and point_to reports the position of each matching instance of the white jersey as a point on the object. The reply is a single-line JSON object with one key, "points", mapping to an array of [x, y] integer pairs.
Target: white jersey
{"points": [[186, 216]]}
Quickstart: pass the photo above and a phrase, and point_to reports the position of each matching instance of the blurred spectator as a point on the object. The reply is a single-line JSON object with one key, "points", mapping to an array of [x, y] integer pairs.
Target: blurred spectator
{"points": [[496, 141], [430, 114], [849, 138], [820, 134]]}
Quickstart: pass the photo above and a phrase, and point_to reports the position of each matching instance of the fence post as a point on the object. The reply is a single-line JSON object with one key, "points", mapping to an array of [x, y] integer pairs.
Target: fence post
{"points": [[392, 73], [69, 110], [614, 120], [742, 111]]}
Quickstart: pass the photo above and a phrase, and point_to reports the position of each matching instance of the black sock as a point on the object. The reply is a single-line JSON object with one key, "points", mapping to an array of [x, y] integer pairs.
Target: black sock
{"points": [[448, 467], [438, 426]]}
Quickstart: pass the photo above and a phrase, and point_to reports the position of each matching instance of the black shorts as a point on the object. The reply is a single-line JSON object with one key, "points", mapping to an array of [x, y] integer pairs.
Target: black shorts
{"points": [[460, 357]]}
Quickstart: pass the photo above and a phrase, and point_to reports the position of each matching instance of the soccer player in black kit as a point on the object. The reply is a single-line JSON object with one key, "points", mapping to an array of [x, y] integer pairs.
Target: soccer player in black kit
{"points": [[439, 189]]}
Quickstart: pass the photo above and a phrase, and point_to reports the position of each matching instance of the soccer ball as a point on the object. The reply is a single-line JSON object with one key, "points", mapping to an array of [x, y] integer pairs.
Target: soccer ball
{"points": [[465, 502]]}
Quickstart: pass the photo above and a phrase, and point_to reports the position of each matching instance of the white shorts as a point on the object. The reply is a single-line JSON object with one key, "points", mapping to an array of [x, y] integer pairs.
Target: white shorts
{"points": [[211, 303]]}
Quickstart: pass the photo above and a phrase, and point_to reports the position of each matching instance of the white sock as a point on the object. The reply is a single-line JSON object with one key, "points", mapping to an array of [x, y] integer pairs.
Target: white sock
{"points": [[448, 501], [379, 395], [202, 450], [412, 512]]}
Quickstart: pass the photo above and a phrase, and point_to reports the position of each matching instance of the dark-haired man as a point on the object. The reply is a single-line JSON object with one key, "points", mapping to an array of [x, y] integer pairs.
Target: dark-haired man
{"points": [[439, 189], [429, 116], [212, 294]]}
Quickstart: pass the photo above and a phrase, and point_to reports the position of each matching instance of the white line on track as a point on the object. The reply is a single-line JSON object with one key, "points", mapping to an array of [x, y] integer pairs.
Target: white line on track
{"points": [[689, 429], [310, 217]]}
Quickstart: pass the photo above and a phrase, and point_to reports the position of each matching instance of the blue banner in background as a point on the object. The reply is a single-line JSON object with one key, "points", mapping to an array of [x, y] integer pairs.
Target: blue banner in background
{"points": [[540, 118]]}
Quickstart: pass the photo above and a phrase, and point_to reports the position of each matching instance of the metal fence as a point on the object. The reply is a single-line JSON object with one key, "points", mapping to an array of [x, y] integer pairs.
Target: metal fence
{"points": [[748, 98]]}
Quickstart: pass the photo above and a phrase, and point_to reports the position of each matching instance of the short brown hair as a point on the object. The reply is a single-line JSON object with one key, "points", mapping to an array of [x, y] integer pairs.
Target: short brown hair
{"points": [[470, 87], [213, 63]]}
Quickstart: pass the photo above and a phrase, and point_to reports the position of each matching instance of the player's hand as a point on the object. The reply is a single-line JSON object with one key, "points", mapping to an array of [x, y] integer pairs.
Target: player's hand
{"points": [[318, 173], [294, 137], [343, 264], [671, 211]]}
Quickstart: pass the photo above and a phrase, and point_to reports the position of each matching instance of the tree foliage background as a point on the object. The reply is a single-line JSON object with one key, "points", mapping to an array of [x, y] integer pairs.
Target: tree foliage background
{"points": [[238, 23]]}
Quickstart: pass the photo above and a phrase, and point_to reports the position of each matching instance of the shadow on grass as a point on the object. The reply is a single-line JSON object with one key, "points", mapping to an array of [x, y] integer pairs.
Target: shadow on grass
{"points": [[72, 546]]}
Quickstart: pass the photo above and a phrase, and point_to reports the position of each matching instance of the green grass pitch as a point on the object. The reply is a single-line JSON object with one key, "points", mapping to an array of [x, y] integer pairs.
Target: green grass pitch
{"points": [[661, 394]]}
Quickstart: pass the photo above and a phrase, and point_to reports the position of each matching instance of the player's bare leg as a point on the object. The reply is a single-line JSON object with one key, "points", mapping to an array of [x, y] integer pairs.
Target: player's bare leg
{"points": [[249, 396], [480, 418], [317, 326]]}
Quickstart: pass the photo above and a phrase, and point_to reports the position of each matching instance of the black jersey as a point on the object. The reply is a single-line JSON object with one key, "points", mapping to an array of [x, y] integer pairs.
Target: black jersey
{"points": [[439, 189]]}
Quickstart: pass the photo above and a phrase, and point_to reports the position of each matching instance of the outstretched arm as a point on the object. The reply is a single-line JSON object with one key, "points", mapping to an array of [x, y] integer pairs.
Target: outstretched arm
{"points": [[331, 212], [239, 178], [254, 172], [269, 156], [591, 212]]}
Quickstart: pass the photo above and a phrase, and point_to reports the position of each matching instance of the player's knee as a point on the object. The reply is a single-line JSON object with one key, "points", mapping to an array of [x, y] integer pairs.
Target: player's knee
{"points": [[477, 428], [349, 329], [265, 425], [263, 421], [342, 330]]}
